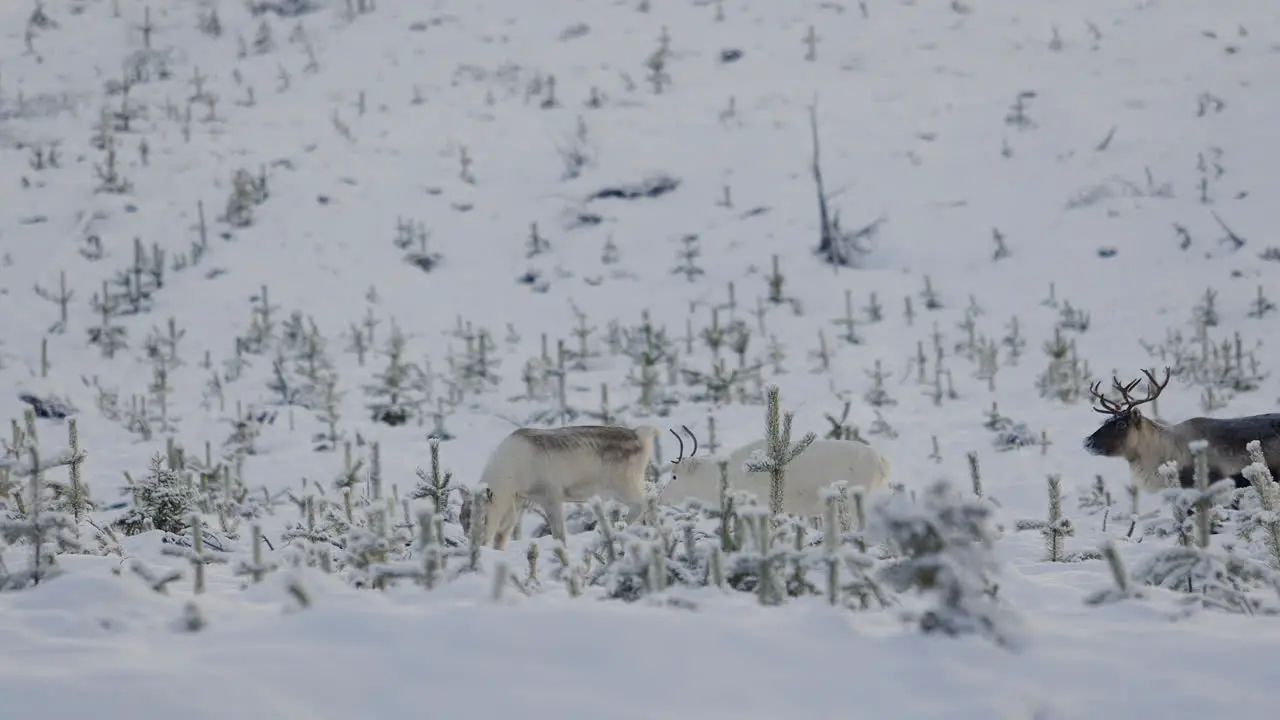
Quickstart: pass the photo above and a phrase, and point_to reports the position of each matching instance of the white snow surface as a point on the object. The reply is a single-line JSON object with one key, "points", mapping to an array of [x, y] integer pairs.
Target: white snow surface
{"points": [[912, 99]]}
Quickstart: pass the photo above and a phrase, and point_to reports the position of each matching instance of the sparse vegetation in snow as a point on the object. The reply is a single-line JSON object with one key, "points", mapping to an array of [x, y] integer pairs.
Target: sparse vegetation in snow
{"points": [[238, 401]]}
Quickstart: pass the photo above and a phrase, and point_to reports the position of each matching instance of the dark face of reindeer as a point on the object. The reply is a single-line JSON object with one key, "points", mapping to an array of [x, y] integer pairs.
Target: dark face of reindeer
{"points": [[1112, 439], [1117, 436]]}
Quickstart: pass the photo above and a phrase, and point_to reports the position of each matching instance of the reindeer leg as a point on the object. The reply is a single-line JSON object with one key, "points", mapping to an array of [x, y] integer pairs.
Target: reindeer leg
{"points": [[488, 532], [501, 531], [552, 502], [635, 510], [515, 517], [506, 523], [499, 513], [555, 514]]}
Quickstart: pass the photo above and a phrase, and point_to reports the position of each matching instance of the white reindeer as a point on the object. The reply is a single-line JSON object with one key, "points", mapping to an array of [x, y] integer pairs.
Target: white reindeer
{"points": [[569, 464], [812, 471]]}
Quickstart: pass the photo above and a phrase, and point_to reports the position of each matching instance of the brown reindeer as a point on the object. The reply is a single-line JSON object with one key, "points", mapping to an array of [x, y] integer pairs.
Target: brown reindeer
{"points": [[1147, 443]]}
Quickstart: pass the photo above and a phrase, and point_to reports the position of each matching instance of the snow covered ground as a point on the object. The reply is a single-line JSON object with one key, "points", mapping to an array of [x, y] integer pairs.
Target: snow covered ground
{"points": [[1120, 153]]}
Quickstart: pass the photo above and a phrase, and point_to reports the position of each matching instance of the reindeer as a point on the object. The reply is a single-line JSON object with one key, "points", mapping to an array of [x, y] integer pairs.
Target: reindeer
{"points": [[1147, 443], [549, 467], [811, 472]]}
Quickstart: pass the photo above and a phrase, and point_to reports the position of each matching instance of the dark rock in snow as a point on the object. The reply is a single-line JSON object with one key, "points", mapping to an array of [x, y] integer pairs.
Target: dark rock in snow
{"points": [[424, 261], [394, 417], [585, 220], [535, 281], [1013, 437], [284, 8], [651, 187], [574, 31], [50, 408]]}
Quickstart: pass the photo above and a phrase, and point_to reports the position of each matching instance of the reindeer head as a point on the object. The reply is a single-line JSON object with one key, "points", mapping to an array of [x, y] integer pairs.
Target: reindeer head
{"points": [[1118, 435]]}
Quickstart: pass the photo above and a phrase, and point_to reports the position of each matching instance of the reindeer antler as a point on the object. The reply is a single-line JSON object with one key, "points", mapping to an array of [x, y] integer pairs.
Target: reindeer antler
{"points": [[692, 437], [1110, 407], [681, 441], [1128, 402]]}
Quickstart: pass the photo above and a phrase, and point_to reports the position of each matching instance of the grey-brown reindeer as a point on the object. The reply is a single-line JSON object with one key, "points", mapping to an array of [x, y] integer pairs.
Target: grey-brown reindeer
{"points": [[1147, 443], [549, 467]]}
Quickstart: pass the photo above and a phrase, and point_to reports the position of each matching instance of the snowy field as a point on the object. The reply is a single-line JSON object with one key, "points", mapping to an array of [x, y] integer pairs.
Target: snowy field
{"points": [[266, 254]]}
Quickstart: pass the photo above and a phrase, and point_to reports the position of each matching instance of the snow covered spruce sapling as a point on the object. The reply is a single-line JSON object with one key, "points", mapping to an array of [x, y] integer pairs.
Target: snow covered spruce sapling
{"points": [[197, 554], [1123, 589], [373, 540], [247, 192], [781, 451], [395, 395], [368, 537], [943, 550], [629, 562], [1056, 528], [1268, 519], [437, 484], [162, 500], [21, 458], [648, 347], [753, 552], [427, 564], [641, 561], [1066, 377], [1220, 579], [329, 414], [45, 518]]}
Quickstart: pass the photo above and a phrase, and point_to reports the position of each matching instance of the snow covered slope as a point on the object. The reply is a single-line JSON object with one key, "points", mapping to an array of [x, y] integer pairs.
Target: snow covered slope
{"points": [[1030, 178]]}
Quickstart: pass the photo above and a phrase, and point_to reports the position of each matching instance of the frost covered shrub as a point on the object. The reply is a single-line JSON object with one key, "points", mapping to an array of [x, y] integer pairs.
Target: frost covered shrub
{"points": [[47, 532], [162, 500], [1220, 579], [395, 390], [746, 549], [943, 550], [578, 518], [437, 485], [374, 542], [1213, 579], [1266, 518]]}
